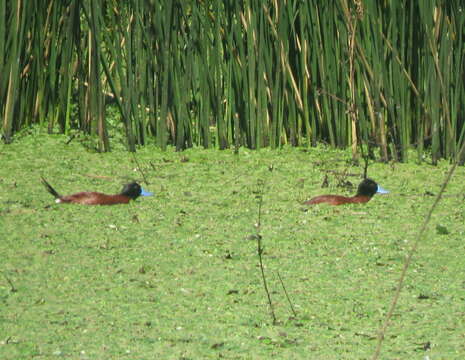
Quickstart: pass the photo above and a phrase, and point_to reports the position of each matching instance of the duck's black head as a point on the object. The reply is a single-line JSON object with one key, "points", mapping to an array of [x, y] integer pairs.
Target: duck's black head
{"points": [[368, 188], [134, 190]]}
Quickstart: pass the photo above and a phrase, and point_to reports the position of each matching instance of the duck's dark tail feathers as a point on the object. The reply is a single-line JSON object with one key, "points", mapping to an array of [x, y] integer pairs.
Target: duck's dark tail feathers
{"points": [[50, 189]]}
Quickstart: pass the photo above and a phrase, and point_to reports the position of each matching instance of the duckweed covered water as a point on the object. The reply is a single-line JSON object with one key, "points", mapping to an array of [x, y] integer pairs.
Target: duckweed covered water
{"points": [[175, 276]]}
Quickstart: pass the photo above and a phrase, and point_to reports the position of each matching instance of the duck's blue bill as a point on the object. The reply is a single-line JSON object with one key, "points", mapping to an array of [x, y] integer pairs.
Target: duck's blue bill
{"points": [[381, 190], [145, 193]]}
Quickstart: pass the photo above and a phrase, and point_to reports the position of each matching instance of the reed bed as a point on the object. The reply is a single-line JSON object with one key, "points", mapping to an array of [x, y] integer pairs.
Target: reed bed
{"points": [[382, 76]]}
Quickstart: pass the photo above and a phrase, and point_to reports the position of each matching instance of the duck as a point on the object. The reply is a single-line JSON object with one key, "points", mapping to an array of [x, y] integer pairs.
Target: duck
{"points": [[366, 190], [129, 192]]}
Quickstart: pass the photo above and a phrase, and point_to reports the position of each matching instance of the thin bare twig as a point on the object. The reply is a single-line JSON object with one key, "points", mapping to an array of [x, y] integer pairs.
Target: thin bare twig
{"points": [[139, 168], [12, 287], [287, 295], [260, 249]]}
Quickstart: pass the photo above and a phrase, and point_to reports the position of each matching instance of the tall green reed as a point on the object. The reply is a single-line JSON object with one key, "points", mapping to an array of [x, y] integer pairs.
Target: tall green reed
{"points": [[239, 73]]}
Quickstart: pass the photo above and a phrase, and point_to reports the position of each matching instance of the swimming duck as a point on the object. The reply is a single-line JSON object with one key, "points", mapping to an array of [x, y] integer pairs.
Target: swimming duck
{"points": [[130, 191], [366, 190]]}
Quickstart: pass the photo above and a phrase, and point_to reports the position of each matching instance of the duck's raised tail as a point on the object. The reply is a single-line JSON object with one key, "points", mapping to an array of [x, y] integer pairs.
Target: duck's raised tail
{"points": [[50, 189]]}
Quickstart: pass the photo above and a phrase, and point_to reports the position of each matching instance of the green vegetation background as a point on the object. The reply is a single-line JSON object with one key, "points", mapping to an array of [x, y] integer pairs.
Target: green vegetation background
{"points": [[253, 74]]}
